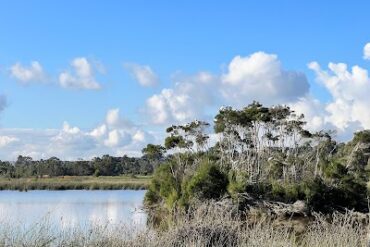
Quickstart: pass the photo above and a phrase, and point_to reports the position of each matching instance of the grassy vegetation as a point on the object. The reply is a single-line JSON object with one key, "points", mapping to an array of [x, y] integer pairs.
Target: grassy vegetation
{"points": [[76, 183], [208, 225]]}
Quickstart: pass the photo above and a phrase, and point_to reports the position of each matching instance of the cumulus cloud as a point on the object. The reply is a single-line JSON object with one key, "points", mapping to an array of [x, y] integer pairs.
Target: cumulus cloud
{"points": [[261, 77], [143, 74], [314, 111], [120, 131], [70, 130], [99, 131], [186, 101], [6, 140], [82, 75], [113, 138], [117, 137], [71, 142], [139, 136], [349, 91], [27, 74], [366, 55], [112, 117]]}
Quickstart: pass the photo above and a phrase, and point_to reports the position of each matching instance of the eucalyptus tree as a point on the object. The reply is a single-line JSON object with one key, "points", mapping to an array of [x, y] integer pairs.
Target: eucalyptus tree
{"points": [[358, 151], [189, 137], [323, 148], [184, 142], [24, 166], [154, 153], [259, 139], [242, 133], [6, 169], [235, 137]]}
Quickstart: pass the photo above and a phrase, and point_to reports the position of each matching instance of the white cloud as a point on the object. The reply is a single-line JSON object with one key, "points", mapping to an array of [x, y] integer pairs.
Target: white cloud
{"points": [[71, 142], [113, 138], [32, 73], [349, 89], [366, 55], [139, 136], [261, 77], [82, 76], [144, 75], [112, 117], [185, 102], [70, 130], [99, 131], [6, 140], [313, 109]]}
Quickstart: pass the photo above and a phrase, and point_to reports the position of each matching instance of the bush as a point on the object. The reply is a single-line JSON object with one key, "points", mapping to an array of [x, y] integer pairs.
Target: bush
{"points": [[287, 192], [207, 183], [163, 187], [97, 173], [238, 182], [347, 194]]}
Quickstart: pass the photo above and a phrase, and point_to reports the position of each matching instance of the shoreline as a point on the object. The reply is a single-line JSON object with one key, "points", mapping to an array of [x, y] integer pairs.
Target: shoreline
{"points": [[76, 183]]}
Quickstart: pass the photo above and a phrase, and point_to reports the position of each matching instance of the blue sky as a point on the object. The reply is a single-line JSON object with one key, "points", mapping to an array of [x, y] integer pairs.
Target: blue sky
{"points": [[170, 45]]}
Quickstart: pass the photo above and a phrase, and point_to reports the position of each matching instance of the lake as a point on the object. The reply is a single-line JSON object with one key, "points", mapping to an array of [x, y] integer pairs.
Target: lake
{"points": [[73, 208]]}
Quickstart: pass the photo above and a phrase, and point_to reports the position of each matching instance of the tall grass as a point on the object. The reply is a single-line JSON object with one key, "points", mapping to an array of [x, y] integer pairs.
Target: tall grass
{"points": [[76, 183], [206, 226]]}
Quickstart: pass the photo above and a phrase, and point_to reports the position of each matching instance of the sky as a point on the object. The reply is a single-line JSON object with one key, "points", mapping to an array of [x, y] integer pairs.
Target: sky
{"points": [[84, 78]]}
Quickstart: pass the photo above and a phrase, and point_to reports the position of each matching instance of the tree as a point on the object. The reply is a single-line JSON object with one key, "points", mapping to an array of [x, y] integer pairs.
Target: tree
{"points": [[153, 152], [187, 137]]}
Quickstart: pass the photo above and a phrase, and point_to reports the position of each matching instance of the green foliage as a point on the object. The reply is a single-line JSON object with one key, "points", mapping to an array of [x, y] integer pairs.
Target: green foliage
{"points": [[286, 192], [264, 153], [348, 194], [97, 173], [208, 182], [164, 187], [238, 182], [153, 152], [53, 167], [174, 141], [352, 185], [335, 170], [275, 170], [362, 136]]}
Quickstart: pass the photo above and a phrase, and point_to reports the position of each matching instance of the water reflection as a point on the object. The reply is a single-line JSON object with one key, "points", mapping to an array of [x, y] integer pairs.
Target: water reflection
{"points": [[73, 208]]}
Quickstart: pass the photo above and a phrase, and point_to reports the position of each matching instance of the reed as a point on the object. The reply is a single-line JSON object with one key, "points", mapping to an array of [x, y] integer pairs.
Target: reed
{"points": [[206, 226], [76, 183]]}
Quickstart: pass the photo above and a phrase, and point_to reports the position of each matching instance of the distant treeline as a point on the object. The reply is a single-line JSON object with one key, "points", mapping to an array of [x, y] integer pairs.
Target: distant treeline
{"points": [[106, 165]]}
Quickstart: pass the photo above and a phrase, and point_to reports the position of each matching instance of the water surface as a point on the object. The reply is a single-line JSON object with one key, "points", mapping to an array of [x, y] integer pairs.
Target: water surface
{"points": [[71, 208]]}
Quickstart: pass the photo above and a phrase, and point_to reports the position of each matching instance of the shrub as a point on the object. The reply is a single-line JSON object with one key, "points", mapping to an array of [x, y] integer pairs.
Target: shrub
{"points": [[286, 192], [163, 187], [238, 182], [207, 183], [97, 173]]}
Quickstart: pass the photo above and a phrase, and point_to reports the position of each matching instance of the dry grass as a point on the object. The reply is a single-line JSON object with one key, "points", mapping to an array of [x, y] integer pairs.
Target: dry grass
{"points": [[208, 226], [78, 182]]}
